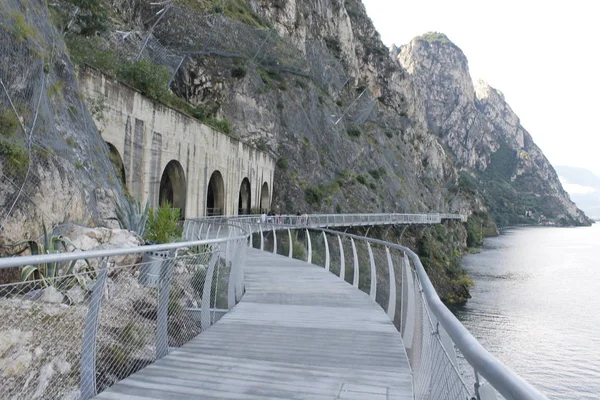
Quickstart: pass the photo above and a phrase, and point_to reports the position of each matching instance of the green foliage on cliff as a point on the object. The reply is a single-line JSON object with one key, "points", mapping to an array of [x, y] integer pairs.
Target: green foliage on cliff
{"points": [[440, 248], [432, 37], [91, 17], [503, 163], [150, 79], [162, 225], [479, 225]]}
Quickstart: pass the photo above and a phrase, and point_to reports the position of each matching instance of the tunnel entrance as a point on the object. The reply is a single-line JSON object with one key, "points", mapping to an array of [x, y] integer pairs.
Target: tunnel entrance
{"points": [[117, 161], [173, 188], [244, 198], [264, 198], [215, 198]]}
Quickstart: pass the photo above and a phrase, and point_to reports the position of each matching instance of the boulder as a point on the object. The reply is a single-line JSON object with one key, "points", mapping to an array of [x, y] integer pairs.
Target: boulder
{"points": [[76, 295], [52, 295], [85, 238]]}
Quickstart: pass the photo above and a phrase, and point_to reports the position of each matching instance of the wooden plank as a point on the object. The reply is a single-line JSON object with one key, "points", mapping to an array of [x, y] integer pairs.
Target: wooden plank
{"points": [[298, 333]]}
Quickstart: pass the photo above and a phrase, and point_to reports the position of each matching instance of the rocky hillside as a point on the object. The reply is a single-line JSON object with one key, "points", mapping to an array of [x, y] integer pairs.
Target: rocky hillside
{"points": [[354, 129], [501, 163], [54, 166]]}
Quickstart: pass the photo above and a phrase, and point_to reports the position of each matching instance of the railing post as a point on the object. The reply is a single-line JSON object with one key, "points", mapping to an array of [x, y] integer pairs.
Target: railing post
{"points": [[262, 238], [206, 290], [391, 307], [373, 289], [342, 260], [408, 288], [291, 250], [309, 255], [274, 240], [162, 312], [87, 383], [239, 282], [208, 231], [326, 252], [355, 263]]}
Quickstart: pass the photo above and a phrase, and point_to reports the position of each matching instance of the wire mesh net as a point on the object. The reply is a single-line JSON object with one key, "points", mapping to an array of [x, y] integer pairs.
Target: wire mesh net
{"points": [[71, 336], [46, 133], [21, 95]]}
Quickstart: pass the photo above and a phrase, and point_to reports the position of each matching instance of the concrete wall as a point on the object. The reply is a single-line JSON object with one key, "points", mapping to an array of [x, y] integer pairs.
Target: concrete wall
{"points": [[148, 135]]}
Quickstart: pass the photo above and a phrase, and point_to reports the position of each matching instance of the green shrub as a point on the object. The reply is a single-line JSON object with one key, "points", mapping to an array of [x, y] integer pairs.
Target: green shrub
{"points": [[15, 155], [222, 125], [334, 45], [362, 180], [313, 196], [163, 225], [9, 123], [378, 173], [21, 29], [282, 163], [353, 131], [467, 182], [93, 51], [92, 17], [240, 10], [150, 79], [239, 71], [261, 144]]}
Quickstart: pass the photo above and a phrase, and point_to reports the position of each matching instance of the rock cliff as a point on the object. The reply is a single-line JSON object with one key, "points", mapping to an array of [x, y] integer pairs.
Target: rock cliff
{"points": [[354, 129], [54, 166], [512, 174]]}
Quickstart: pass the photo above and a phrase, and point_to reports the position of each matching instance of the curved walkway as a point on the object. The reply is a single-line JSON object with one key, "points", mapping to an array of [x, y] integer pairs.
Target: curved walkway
{"points": [[298, 333]]}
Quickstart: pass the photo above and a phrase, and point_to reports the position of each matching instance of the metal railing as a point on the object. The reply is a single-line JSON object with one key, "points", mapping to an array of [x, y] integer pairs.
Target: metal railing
{"points": [[320, 220], [438, 346], [72, 336]]}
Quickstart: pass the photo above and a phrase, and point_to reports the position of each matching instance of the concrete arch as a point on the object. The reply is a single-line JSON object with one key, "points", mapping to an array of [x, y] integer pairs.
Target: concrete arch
{"points": [[173, 187], [264, 197], [215, 196], [244, 199], [117, 161]]}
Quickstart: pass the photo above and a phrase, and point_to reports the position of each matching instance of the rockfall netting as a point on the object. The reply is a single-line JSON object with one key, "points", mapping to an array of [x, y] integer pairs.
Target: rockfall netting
{"points": [[47, 137]]}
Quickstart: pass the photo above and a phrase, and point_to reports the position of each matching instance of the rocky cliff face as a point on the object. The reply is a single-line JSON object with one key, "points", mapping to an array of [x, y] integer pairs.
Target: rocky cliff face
{"points": [[354, 129], [54, 166], [479, 127]]}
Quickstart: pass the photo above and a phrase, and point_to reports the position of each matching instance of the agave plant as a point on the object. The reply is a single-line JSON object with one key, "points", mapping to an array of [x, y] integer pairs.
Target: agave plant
{"points": [[51, 273], [132, 217]]}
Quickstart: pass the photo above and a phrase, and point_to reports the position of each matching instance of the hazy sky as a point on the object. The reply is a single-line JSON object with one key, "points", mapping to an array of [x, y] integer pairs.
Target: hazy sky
{"points": [[544, 57]]}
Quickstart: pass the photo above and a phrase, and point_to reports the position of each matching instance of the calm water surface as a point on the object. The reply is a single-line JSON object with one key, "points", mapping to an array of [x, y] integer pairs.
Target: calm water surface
{"points": [[536, 306]]}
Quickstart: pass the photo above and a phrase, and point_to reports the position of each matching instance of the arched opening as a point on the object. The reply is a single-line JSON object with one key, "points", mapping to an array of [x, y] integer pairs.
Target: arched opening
{"points": [[264, 198], [117, 162], [172, 187], [244, 198], [215, 197]]}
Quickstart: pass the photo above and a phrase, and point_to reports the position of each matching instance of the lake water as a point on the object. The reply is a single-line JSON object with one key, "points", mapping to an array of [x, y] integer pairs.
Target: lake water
{"points": [[536, 306]]}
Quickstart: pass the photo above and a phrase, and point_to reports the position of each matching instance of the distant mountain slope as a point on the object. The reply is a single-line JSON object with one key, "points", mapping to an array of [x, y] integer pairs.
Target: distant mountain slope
{"points": [[497, 156]]}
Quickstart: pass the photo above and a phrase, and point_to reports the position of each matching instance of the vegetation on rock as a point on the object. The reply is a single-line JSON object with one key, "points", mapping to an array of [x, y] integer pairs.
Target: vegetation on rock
{"points": [[163, 225]]}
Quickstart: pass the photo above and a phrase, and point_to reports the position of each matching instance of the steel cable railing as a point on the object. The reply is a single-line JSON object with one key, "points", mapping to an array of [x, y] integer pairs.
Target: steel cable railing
{"points": [[394, 277], [73, 335]]}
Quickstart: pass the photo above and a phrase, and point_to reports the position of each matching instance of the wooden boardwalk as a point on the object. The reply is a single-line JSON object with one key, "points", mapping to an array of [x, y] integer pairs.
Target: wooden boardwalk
{"points": [[298, 333]]}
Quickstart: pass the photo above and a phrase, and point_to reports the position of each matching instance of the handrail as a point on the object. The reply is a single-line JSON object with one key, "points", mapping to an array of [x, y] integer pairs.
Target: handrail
{"points": [[324, 220], [502, 378], [11, 262], [115, 311]]}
